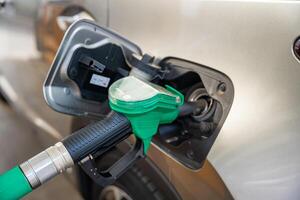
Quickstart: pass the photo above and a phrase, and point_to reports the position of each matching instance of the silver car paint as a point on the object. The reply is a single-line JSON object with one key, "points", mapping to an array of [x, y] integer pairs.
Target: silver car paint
{"points": [[256, 152]]}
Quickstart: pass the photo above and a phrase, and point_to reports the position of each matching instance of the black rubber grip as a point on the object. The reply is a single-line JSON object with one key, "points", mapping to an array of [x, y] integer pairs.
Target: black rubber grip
{"points": [[99, 135]]}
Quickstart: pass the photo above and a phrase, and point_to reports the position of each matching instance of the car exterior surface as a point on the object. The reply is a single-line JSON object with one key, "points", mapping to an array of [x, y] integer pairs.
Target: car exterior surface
{"points": [[251, 42], [256, 153]]}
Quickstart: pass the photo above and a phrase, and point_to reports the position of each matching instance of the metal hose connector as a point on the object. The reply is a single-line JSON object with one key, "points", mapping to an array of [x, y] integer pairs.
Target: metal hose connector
{"points": [[47, 164]]}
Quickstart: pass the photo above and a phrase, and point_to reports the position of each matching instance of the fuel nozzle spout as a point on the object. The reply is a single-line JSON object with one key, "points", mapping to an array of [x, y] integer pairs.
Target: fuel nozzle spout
{"points": [[192, 108]]}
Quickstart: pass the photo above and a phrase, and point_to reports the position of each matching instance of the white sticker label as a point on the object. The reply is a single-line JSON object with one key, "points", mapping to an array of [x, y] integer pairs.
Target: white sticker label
{"points": [[99, 80]]}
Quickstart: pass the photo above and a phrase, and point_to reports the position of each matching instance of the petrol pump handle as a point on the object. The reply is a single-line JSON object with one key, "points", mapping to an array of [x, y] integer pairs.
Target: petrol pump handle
{"points": [[109, 130], [97, 136]]}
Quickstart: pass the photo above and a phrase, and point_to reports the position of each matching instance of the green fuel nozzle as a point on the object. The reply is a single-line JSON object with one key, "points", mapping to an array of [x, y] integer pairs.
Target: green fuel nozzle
{"points": [[145, 104], [140, 107]]}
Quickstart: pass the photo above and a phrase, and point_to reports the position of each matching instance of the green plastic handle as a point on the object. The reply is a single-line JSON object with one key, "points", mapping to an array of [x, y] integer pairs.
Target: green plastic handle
{"points": [[13, 184], [145, 104]]}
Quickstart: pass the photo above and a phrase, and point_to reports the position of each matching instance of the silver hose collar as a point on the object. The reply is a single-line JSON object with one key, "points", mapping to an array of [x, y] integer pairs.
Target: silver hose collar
{"points": [[47, 164]]}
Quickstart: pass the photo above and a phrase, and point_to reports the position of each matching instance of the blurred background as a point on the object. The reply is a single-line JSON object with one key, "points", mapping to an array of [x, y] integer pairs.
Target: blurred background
{"points": [[18, 141]]}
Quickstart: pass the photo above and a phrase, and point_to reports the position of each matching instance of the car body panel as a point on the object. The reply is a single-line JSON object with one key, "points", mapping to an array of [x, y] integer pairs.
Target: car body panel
{"points": [[204, 183], [256, 152]]}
